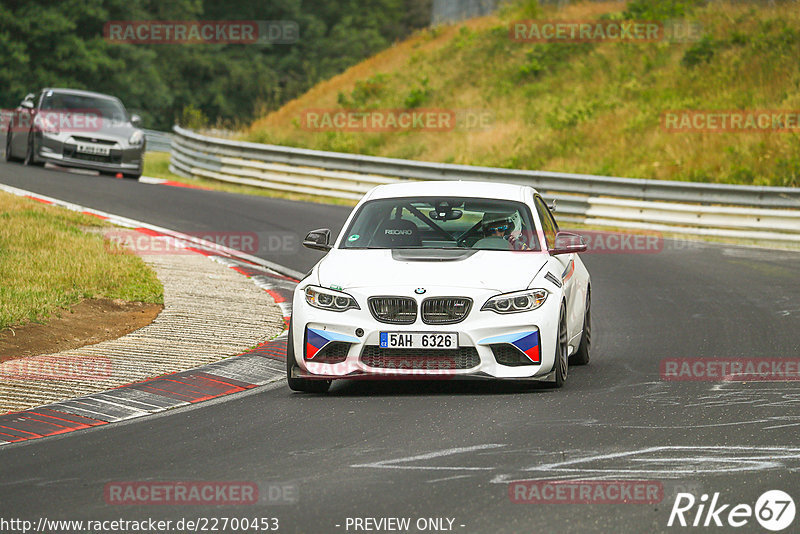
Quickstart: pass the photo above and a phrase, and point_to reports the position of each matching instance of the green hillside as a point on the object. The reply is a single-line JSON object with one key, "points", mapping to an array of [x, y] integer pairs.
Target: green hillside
{"points": [[590, 107]]}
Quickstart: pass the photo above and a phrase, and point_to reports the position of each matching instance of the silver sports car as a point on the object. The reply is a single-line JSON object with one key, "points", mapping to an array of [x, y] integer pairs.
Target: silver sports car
{"points": [[74, 128]]}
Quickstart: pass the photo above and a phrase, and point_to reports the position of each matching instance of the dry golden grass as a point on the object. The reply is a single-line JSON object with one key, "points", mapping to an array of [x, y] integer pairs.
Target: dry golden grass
{"points": [[324, 94]]}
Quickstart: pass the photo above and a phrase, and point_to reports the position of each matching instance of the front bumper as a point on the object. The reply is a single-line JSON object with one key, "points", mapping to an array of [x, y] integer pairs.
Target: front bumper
{"points": [[351, 355], [62, 151]]}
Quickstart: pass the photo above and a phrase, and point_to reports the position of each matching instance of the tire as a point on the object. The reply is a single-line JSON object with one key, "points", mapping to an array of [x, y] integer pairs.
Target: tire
{"points": [[581, 356], [30, 154], [305, 385], [134, 176], [8, 156], [561, 365]]}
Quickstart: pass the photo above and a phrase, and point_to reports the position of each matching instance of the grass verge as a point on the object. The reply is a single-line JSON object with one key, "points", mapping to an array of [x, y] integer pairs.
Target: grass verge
{"points": [[48, 262]]}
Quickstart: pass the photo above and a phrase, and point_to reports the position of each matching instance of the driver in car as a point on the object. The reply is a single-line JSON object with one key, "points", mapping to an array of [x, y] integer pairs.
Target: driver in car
{"points": [[502, 225]]}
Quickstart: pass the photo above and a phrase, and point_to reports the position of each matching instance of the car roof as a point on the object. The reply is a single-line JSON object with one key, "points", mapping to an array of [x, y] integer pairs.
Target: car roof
{"points": [[79, 92], [451, 188]]}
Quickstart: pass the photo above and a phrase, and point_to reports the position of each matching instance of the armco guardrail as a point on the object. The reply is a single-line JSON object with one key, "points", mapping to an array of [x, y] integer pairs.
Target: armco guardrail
{"points": [[751, 212], [158, 141], [5, 118]]}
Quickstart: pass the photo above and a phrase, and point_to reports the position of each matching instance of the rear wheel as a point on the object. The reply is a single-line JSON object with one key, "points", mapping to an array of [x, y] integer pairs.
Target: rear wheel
{"points": [[8, 155], [561, 366], [134, 176], [306, 385], [581, 356]]}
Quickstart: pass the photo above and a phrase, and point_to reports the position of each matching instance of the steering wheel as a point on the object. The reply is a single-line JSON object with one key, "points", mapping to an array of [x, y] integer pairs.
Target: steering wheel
{"points": [[460, 240]]}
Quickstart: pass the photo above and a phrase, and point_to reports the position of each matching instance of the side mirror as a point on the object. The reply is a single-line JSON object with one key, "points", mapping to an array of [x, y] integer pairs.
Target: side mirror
{"points": [[136, 120], [27, 102], [318, 240], [568, 243], [552, 205]]}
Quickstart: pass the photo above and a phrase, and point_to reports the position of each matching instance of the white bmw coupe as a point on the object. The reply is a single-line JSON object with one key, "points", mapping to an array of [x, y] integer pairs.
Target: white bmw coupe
{"points": [[442, 280]]}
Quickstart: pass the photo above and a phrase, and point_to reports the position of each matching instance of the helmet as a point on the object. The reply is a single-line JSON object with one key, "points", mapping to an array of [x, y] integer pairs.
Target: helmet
{"points": [[493, 222]]}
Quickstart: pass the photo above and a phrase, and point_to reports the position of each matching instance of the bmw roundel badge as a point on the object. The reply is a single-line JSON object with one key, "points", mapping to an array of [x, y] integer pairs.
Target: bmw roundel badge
{"points": [[419, 290]]}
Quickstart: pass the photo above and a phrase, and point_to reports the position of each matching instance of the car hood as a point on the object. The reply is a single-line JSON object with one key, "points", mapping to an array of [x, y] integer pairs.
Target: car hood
{"points": [[484, 269], [117, 129], [104, 129]]}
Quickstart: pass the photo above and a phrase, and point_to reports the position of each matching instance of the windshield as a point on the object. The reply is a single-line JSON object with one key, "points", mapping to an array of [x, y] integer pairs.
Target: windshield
{"points": [[106, 107], [435, 223]]}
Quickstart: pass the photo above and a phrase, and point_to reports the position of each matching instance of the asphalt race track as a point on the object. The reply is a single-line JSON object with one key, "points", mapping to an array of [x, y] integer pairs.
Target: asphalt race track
{"points": [[447, 449]]}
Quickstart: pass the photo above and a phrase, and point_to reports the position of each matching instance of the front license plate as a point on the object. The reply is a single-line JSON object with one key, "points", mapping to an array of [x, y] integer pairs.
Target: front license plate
{"points": [[97, 150], [414, 340]]}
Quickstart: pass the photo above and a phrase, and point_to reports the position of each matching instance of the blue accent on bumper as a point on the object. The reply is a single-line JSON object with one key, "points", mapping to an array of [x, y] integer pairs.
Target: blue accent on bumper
{"points": [[327, 335], [510, 338]]}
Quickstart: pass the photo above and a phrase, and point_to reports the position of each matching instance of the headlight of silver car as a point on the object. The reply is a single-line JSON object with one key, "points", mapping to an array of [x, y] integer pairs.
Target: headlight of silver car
{"points": [[137, 138], [518, 301], [328, 299]]}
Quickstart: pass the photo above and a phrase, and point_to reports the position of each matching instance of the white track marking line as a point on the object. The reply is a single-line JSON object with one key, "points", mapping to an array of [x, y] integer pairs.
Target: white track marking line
{"points": [[716, 464], [446, 478], [152, 180], [390, 464], [557, 465]]}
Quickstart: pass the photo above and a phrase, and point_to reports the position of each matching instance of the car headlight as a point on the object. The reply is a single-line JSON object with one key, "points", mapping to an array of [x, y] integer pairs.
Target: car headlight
{"points": [[328, 299], [137, 138], [518, 301]]}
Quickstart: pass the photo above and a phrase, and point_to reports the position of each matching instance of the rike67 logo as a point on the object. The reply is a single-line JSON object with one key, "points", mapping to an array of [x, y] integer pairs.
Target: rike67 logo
{"points": [[774, 510]]}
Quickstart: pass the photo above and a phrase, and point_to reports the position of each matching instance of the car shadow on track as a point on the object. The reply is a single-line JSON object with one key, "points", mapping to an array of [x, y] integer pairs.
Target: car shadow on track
{"points": [[445, 386]]}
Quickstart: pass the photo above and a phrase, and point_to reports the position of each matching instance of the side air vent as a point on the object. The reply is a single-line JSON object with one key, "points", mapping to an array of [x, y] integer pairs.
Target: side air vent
{"points": [[553, 278]]}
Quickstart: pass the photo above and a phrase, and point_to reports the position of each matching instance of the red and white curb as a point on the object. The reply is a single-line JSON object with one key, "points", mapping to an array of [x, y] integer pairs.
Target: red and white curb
{"points": [[248, 370], [171, 183]]}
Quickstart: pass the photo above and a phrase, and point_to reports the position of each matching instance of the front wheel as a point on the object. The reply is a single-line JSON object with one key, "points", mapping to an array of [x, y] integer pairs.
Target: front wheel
{"points": [[561, 366], [306, 385]]}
